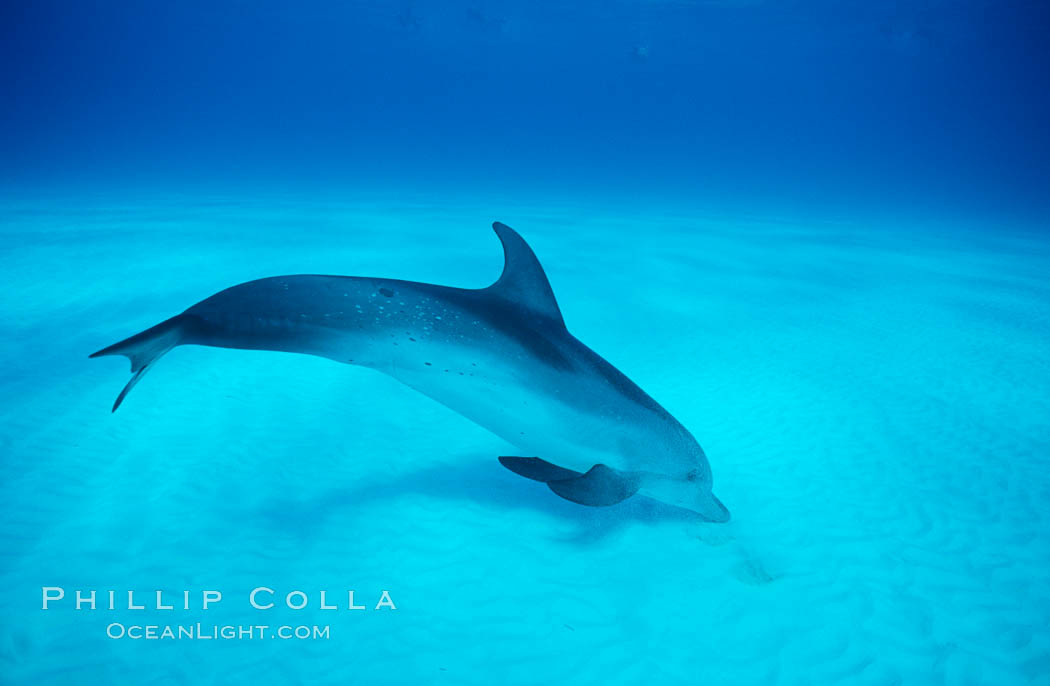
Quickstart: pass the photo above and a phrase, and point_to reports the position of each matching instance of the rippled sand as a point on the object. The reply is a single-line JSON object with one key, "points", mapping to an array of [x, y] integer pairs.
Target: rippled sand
{"points": [[873, 400]]}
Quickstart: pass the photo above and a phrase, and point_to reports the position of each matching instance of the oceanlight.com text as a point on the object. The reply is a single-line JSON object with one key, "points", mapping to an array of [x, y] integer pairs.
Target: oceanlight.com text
{"points": [[212, 632]]}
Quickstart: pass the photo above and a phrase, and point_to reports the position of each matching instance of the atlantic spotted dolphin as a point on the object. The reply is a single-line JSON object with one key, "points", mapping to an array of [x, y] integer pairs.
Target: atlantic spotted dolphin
{"points": [[500, 356]]}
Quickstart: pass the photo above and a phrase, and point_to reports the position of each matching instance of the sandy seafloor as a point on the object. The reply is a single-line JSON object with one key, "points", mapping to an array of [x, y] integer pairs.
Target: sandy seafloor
{"points": [[873, 399]]}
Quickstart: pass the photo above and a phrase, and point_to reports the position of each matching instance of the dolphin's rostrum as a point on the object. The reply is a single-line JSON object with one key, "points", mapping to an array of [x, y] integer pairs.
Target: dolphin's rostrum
{"points": [[500, 356]]}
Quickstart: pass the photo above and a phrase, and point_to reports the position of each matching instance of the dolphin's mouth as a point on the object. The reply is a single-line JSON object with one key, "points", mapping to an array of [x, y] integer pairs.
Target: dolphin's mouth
{"points": [[712, 510]]}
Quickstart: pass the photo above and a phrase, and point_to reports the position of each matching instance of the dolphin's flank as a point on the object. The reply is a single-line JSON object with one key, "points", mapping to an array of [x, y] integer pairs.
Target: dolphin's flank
{"points": [[500, 356]]}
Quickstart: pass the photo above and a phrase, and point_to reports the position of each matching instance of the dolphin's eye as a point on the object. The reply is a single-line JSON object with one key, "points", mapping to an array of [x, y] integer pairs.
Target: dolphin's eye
{"points": [[693, 475]]}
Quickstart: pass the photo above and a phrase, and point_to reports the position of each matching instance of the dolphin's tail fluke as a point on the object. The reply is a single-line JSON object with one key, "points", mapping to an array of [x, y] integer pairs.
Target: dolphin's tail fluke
{"points": [[144, 348]]}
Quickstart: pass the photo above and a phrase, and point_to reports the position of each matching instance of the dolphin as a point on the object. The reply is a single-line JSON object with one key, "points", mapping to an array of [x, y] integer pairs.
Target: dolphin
{"points": [[500, 356]]}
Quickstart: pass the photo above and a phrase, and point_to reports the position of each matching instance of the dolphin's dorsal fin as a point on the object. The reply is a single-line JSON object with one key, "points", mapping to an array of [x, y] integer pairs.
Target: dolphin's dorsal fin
{"points": [[523, 281]]}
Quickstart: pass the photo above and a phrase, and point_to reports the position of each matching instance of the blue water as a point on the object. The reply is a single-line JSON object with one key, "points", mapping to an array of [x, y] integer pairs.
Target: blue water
{"points": [[816, 233]]}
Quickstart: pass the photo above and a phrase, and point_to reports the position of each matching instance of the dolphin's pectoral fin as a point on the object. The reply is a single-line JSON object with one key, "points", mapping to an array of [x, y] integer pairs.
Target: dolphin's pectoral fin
{"points": [[599, 487], [536, 469]]}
